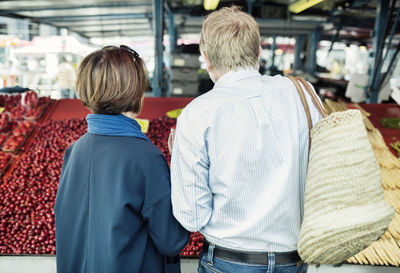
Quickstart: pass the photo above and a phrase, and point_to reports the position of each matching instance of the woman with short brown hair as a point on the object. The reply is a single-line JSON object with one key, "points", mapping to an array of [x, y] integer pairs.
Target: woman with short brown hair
{"points": [[113, 207]]}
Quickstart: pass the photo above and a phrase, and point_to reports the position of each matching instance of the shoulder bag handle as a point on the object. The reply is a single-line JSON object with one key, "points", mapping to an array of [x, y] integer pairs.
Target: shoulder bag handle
{"points": [[305, 106], [303, 100], [314, 98]]}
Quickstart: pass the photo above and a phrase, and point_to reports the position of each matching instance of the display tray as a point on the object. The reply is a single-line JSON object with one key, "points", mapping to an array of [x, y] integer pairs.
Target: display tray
{"points": [[4, 170], [37, 117], [3, 138], [16, 149]]}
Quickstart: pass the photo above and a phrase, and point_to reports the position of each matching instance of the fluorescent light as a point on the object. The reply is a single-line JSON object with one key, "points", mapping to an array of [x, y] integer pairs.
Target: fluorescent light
{"points": [[210, 4], [301, 5]]}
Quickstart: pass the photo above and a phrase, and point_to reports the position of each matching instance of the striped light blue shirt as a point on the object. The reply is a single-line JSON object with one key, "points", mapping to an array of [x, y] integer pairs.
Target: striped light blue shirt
{"points": [[239, 163]]}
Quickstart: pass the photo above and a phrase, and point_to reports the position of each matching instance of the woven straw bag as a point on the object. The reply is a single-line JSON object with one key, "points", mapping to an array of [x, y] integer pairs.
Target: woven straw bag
{"points": [[344, 206]]}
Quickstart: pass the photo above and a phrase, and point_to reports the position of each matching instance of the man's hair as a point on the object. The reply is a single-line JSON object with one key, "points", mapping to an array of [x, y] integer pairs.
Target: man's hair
{"points": [[111, 81], [231, 39]]}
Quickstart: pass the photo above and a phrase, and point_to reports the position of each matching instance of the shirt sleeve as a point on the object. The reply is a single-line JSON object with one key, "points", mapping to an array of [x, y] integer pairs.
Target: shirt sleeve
{"points": [[168, 236], [190, 191]]}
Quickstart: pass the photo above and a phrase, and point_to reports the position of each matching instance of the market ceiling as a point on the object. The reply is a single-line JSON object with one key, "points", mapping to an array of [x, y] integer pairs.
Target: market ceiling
{"points": [[97, 18]]}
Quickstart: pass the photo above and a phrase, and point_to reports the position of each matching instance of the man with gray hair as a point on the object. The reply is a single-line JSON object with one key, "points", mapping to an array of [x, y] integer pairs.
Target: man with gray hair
{"points": [[240, 155]]}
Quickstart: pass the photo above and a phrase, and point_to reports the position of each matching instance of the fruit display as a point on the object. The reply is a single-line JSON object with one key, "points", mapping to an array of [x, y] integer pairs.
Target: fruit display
{"points": [[28, 106], [13, 143], [3, 138], [392, 123], [158, 133], [30, 99], [23, 128], [193, 248], [34, 113], [29, 191], [10, 101], [43, 101], [5, 159], [4, 121], [17, 112]]}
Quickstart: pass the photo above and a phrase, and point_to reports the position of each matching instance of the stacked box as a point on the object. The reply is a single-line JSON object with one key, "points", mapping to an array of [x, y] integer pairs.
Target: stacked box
{"points": [[184, 74], [184, 88], [185, 60]]}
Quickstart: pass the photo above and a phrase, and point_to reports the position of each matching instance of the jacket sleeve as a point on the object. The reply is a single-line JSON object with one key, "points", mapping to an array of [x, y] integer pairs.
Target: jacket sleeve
{"points": [[168, 236]]}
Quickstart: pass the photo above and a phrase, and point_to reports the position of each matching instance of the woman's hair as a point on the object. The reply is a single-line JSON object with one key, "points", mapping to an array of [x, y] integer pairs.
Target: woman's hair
{"points": [[112, 80], [231, 39]]}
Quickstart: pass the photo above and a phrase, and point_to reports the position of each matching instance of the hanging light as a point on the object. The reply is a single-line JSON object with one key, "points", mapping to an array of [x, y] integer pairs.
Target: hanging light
{"points": [[301, 5], [210, 4]]}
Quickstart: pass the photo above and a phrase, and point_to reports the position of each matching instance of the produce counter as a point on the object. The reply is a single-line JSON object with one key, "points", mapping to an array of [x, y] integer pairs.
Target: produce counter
{"points": [[47, 264], [153, 108], [30, 184], [379, 112]]}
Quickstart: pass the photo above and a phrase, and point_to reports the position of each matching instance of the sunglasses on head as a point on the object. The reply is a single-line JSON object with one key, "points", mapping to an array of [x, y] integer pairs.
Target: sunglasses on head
{"points": [[130, 50]]}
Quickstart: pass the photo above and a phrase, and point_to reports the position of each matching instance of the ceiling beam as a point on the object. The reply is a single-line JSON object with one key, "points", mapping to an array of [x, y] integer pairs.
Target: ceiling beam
{"points": [[74, 18], [4, 12], [100, 22], [82, 27], [116, 30], [121, 34]]}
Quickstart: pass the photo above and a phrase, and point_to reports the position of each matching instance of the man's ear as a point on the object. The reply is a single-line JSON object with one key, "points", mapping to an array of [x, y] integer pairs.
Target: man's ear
{"points": [[207, 60]]}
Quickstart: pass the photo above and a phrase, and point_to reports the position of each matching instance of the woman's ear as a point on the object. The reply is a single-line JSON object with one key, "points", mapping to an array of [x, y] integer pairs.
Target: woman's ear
{"points": [[208, 63], [259, 52]]}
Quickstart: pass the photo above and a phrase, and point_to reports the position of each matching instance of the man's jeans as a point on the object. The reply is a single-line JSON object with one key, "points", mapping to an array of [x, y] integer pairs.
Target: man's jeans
{"points": [[210, 264]]}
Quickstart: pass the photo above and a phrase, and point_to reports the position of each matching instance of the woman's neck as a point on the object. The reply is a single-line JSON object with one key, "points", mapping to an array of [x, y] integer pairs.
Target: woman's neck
{"points": [[130, 114]]}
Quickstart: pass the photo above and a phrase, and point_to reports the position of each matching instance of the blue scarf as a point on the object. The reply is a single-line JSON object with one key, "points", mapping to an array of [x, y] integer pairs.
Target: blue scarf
{"points": [[114, 125]]}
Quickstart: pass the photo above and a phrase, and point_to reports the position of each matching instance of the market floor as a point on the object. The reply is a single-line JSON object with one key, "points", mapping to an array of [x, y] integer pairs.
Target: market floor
{"points": [[189, 265]]}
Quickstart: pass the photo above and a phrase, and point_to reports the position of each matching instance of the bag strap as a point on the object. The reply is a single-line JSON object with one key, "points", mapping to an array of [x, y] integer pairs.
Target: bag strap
{"points": [[314, 98], [303, 101]]}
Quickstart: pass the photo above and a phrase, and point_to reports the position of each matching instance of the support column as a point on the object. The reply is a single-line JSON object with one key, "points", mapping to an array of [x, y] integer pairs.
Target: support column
{"points": [[172, 47], [158, 27], [312, 59], [273, 48], [172, 32], [250, 4], [382, 11], [297, 54]]}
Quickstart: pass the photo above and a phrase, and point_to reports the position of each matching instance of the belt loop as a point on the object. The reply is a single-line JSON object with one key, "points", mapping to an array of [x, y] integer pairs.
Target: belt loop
{"points": [[271, 262], [210, 253]]}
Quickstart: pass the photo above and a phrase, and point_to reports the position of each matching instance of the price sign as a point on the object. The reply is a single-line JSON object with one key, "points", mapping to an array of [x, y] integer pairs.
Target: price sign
{"points": [[174, 113], [144, 124]]}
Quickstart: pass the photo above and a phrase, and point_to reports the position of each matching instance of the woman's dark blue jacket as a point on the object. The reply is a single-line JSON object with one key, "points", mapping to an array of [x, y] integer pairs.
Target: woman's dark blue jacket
{"points": [[113, 208]]}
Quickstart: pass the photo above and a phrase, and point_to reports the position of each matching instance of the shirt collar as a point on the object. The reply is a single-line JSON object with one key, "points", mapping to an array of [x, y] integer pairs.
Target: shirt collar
{"points": [[236, 75]]}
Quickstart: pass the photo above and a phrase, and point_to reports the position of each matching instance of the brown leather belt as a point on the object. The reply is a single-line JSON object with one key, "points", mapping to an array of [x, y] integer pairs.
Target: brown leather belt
{"points": [[260, 258]]}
